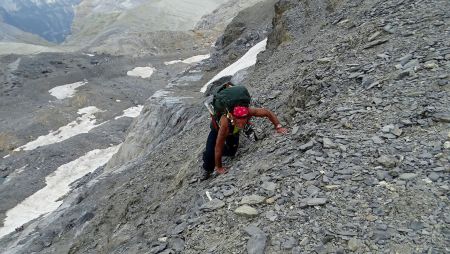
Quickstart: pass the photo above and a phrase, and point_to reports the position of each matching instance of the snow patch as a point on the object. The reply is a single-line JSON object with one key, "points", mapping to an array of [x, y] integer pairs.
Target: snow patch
{"points": [[143, 72], [66, 91], [245, 61], [58, 183], [131, 112], [163, 97], [196, 59], [82, 124], [160, 93], [190, 60], [173, 62], [14, 65]]}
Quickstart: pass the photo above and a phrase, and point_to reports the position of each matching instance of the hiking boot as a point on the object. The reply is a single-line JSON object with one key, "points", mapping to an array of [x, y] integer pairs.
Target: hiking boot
{"points": [[205, 175]]}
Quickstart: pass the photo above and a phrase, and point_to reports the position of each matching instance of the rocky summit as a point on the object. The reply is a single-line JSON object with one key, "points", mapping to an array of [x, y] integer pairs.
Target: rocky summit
{"points": [[363, 87]]}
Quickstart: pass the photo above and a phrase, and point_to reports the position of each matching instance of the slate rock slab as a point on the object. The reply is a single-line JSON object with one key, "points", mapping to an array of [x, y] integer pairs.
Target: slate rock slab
{"points": [[252, 200], [257, 243], [212, 205], [314, 201], [387, 161], [246, 210]]}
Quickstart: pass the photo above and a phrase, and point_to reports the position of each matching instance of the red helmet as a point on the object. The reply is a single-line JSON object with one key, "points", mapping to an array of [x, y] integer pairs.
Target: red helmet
{"points": [[240, 111]]}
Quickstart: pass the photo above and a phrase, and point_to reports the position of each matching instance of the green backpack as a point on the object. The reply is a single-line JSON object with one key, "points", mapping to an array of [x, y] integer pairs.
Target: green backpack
{"points": [[226, 98], [224, 101]]}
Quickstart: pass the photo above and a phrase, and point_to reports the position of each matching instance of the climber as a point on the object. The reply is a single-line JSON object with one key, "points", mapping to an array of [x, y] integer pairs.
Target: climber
{"points": [[231, 104]]}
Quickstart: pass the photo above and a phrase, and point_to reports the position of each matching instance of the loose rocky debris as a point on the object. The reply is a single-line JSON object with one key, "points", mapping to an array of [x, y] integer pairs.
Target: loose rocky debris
{"points": [[366, 169], [366, 159]]}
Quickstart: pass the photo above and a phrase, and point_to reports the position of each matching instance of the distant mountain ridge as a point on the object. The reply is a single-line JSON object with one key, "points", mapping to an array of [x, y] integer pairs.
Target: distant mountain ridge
{"points": [[50, 19], [10, 33], [129, 27], [119, 27]]}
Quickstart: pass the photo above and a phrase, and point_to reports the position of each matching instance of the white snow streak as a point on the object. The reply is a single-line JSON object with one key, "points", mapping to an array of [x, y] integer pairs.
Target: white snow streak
{"points": [[66, 91], [45, 201], [82, 124], [160, 93], [173, 62], [245, 61], [163, 97], [190, 60], [143, 72], [195, 59], [131, 112]]}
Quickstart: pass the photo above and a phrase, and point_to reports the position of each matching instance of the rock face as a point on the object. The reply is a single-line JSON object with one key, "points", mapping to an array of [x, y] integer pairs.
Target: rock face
{"points": [[247, 28], [366, 170], [163, 117], [223, 15]]}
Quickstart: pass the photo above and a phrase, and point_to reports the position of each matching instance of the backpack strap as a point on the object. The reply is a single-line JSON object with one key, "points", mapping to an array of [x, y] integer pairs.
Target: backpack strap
{"points": [[214, 123]]}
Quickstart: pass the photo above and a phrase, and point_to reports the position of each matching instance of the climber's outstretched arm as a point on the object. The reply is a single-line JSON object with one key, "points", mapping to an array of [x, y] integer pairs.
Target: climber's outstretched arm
{"points": [[262, 112]]}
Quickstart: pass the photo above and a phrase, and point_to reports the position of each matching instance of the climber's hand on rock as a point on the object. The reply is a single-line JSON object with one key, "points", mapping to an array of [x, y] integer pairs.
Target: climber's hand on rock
{"points": [[281, 129]]}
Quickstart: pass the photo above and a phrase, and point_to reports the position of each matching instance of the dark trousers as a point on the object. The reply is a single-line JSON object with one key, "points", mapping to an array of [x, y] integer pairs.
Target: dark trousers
{"points": [[230, 149]]}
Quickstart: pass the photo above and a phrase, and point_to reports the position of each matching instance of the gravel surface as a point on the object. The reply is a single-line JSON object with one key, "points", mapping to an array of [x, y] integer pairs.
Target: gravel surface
{"points": [[363, 87]]}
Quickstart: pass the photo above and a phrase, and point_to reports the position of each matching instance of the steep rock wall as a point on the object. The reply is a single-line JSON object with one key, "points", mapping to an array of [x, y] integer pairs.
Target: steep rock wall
{"points": [[162, 118]]}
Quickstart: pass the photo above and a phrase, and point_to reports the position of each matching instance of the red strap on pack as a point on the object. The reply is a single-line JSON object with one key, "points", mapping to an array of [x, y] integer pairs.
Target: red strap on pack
{"points": [[214, 123]]}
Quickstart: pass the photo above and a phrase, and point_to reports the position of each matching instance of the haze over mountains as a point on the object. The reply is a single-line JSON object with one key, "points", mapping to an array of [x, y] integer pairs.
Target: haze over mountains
{"points": [[118, 27], [50, 19], [133, 27], [10, 33]]}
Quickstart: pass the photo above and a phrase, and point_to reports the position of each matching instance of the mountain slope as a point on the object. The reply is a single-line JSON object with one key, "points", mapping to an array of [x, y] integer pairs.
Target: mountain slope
{"points": [[48, 19], [363, 169], [221, 17], [10, 33], [364, 89], [13, 40], [117, 28]]}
